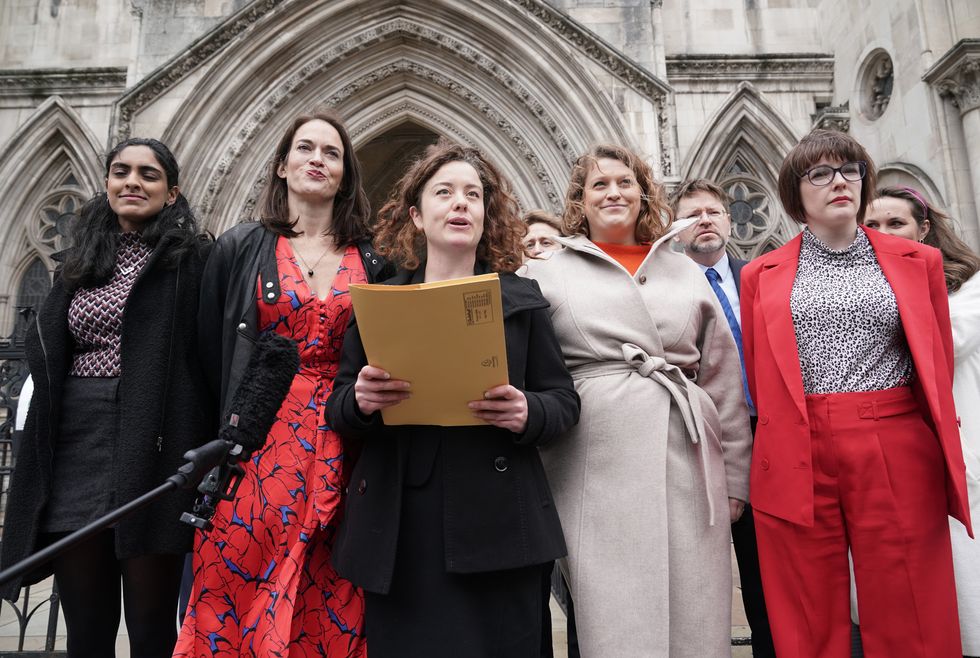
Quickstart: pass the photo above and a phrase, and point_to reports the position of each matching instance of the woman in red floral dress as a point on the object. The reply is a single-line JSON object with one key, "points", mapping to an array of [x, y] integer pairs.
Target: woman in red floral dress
{"points": [[263, 580]]}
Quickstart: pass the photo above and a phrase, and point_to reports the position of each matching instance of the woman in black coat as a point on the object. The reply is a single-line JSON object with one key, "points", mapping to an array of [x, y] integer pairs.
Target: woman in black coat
{"points": [[117, 401], [448, 529]]}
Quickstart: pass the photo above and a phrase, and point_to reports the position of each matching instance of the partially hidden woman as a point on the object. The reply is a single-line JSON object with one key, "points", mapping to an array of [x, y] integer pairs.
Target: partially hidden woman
{"points": [[119, 397], [849, 359], [263, 580], [449, 528], [650, 479], [906, 213]]}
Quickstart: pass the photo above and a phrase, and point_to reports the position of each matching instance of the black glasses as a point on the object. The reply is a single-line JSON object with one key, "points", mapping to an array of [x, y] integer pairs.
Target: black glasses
{"points": [[824, 174]]}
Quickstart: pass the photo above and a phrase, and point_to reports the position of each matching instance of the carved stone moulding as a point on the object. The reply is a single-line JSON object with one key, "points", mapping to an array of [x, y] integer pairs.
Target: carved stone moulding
{"points": [[876, 78], [957, 75], [246, 19], [187, 61], [62, 82], [835, 117], [415, 70], [790, 67]]}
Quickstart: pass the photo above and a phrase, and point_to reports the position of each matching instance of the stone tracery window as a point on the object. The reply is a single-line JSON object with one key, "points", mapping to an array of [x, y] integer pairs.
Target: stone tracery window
{"points": [[758, 225], [57, 213], [34, 285]]}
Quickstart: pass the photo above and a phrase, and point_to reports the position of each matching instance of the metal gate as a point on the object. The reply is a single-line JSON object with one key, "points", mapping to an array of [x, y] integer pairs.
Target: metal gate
{"points": [[13, 374]]}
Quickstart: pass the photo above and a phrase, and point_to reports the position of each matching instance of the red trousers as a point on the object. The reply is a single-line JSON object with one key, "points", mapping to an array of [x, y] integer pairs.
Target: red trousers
{"points": [[879, 488]]}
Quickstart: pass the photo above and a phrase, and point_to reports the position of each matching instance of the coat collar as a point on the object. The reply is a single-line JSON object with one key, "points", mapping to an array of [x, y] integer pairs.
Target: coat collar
{"points": [[901, 263], [517, 293], [581, 244], [775, 287]]}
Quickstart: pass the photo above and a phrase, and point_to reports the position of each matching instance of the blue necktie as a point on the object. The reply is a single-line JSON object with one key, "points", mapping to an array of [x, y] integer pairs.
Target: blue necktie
{"points": [[714, 279]]}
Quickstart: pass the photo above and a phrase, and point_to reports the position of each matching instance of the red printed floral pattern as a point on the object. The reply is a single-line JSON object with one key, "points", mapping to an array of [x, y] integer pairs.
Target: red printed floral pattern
{"points": [[263, 581]]}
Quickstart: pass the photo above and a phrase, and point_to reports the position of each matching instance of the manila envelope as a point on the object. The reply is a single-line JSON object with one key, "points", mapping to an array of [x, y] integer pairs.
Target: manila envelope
{"points": [[445, 337]]}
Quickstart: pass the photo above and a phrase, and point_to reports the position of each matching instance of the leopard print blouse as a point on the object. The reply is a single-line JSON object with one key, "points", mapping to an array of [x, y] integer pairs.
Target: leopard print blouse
{"points": [[848, 331]]}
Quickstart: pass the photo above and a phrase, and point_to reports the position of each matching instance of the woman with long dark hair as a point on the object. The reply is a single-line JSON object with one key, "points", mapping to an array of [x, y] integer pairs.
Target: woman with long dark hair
{"points": [[849, 357], [450, 528], [905, 212], [263, 580], [118, 399]]}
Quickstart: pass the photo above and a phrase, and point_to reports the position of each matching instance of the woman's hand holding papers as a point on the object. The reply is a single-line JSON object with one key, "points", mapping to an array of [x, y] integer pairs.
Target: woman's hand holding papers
{"points": [[502, 406], [375, 390]]}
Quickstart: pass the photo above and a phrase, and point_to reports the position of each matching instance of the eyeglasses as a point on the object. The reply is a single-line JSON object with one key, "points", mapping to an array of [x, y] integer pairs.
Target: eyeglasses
{"points": [[712, 215], [824, 174]]}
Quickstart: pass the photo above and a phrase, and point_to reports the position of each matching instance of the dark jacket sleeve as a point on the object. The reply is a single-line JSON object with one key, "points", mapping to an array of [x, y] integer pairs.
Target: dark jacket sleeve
{"points": [[343, 414], [552, 404], [210, 316]]}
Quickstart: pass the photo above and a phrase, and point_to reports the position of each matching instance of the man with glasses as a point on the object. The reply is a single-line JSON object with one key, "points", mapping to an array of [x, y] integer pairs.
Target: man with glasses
{"points": [[706, 206]]}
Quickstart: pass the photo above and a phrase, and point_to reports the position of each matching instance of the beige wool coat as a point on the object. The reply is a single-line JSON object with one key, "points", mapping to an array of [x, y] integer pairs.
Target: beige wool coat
{"points": [[642, 482]]}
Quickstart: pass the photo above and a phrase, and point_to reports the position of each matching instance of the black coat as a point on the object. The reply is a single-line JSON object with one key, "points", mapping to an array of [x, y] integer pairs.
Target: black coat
{"points": [[228, 317], [498, 512], [162, 415]]}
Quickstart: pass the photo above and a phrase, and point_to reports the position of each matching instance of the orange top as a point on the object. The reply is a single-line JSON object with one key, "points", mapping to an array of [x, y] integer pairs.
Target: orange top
{"points": [[630, 256]]}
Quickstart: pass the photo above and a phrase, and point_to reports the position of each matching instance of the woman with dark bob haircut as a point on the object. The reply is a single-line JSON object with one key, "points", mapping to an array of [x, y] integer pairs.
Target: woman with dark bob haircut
{"points": [[263, 579], [118, 398], [450, 528], [849, 359], [649, 481]]}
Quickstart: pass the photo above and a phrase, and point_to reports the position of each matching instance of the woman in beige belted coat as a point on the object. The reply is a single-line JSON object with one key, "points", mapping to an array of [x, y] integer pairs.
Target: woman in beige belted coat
{"points": [[649, 480]]}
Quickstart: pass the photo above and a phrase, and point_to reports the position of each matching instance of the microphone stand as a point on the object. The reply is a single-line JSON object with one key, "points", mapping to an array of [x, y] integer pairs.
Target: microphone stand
{"points": [[199, 461]]}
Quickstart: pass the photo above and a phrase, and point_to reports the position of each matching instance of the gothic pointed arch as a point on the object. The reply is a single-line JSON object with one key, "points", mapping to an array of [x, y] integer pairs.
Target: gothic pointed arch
{"points": [[904, 174], [47, 170], [505, 79], [741, 148]]}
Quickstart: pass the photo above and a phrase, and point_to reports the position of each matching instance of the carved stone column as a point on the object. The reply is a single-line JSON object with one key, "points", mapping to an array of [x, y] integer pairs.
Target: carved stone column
{"points": [[956, 76]]}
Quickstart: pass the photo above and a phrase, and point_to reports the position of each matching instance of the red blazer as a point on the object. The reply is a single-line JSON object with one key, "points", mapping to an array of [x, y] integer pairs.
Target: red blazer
{"points": [[781, 480]]}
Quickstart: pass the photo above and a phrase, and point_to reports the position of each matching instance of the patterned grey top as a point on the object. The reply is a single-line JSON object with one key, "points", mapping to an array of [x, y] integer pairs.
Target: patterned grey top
{"points": [[848, 331]]}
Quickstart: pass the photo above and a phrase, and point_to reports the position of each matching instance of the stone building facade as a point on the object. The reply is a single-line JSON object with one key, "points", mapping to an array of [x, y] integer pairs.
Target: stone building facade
{"points": [[716, 88]]}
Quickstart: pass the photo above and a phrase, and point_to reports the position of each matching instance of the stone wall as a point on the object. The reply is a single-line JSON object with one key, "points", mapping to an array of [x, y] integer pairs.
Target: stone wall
{"points": [[718, 88]]}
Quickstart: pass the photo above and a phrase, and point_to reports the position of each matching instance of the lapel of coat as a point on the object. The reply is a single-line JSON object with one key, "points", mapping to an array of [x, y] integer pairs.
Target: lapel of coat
{"points": [[909, 281], [640, 313], [775, 287]]}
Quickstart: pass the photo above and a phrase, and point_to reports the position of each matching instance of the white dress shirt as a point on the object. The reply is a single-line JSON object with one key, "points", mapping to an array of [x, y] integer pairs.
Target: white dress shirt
{"points": [[727, 282]]}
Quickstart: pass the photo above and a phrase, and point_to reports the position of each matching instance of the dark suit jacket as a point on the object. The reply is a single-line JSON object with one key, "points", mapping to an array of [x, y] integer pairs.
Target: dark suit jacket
{"points": [[781, 475], [737, 264]]}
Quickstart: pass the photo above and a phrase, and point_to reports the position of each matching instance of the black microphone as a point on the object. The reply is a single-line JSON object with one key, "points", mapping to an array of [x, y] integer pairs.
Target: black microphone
{"points": [[263, 388]]}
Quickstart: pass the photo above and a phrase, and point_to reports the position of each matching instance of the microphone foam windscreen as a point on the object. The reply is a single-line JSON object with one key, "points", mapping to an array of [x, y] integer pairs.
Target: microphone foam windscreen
{"points": [[263, 388]]}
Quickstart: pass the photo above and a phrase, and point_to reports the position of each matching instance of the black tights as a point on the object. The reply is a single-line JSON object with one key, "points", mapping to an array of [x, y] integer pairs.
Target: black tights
{"points": [[88, 583]]}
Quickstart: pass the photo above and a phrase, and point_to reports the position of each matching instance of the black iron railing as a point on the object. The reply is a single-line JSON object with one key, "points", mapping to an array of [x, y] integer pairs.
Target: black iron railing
{"points": [[13, 374]]}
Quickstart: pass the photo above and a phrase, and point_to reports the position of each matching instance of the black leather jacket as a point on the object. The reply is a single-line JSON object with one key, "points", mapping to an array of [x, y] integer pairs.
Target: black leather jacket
{"points": [[227, 316]]}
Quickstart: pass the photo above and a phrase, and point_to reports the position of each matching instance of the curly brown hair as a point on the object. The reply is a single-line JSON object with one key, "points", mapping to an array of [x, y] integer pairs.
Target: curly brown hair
{"points": [[397, 238], [655, 214], [959, 261]]}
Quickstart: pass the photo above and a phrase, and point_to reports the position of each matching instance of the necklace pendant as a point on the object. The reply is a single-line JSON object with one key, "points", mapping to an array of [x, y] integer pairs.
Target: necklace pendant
{"points": [[309, 272]]}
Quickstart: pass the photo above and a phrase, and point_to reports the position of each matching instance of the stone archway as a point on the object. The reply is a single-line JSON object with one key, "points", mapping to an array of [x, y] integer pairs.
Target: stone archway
{"points": [[49, 169], [505, 79], [741, 149], [384, 158]]}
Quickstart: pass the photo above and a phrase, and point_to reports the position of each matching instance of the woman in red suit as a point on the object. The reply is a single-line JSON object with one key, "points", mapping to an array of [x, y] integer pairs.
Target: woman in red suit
{"points": [[848, 354]]}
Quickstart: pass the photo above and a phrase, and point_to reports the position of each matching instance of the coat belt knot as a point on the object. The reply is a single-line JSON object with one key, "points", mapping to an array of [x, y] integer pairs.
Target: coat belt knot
{"points": [[672, 378]]}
